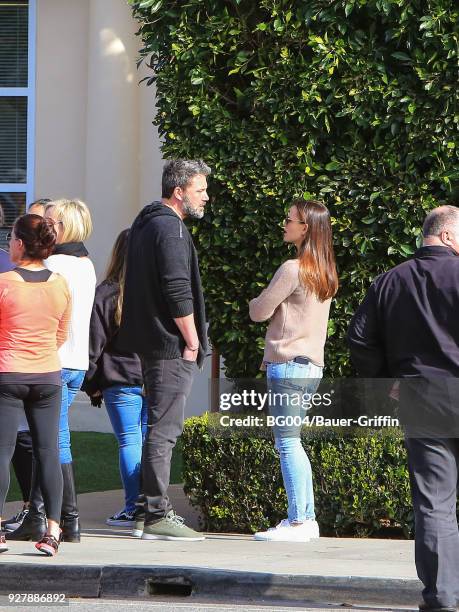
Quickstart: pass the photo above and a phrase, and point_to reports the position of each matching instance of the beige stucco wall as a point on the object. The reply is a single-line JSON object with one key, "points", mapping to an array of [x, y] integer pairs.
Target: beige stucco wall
{"points": [[61, 97], [150, 158], [94, 139]]}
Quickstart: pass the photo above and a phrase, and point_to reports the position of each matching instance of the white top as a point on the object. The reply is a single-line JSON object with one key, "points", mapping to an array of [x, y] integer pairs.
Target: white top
{"points": [[81, 278]]}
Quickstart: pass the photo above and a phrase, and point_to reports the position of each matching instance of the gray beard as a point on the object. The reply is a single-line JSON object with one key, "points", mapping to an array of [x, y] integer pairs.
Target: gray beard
{"points": [[194, 213]]}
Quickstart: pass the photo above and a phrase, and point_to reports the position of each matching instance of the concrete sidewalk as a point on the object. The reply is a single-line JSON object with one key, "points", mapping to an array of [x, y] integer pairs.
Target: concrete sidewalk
{"points": [[109, 563], [84, 417], [95, 508]]}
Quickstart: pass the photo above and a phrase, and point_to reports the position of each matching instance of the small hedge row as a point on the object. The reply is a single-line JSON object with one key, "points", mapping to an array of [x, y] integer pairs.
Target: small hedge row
{"points": [[361, 482]]}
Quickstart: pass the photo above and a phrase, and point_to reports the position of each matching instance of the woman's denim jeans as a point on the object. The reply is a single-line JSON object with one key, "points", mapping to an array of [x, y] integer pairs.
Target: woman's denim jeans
{"points": [[71, 383], [290, 379], [127, 410]]}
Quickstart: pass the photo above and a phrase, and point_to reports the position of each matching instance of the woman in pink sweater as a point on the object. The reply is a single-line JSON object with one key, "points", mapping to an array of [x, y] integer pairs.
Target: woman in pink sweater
{"points": [[297, 303]]}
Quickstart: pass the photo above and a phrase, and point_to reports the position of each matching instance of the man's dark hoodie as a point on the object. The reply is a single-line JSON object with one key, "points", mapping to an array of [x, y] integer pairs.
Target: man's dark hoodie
{"points": [[162, 283]]}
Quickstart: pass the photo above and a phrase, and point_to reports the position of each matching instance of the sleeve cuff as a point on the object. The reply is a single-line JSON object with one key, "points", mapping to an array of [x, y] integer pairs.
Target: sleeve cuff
{"points": [[88, 388], [181, 309]]}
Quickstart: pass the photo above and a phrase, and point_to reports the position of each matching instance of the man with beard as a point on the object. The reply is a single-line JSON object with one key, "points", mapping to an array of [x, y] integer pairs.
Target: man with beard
{"points": [[163, 320]]}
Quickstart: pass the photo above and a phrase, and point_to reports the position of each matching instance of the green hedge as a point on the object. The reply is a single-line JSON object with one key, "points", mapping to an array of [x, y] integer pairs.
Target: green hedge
{"points": [[361, 483], [350, 101]]}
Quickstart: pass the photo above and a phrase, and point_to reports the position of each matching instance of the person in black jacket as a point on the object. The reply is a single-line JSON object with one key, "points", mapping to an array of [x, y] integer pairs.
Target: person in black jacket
{"points": [[408, 328], [163, 320], [117, 378]]}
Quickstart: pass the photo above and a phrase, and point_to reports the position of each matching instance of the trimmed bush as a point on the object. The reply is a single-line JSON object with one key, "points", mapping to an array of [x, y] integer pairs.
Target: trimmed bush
{"points": [[361, 483], [350, 101]]}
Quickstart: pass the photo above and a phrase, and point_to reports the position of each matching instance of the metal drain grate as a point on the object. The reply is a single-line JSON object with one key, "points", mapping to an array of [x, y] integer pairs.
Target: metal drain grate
{"points": [[173, 587]]}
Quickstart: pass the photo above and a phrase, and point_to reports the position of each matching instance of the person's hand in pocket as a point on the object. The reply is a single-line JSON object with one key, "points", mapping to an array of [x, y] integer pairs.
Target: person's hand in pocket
{"points": [[190, 354]]}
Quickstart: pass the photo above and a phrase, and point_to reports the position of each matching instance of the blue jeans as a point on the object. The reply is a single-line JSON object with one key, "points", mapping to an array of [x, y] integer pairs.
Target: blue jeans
{"points": [[294, 379], [71, 383], [127, 410]]}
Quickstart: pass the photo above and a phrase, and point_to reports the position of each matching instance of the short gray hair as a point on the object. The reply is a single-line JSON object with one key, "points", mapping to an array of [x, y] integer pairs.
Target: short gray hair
{"points": [[179, 172], [440, 219]]}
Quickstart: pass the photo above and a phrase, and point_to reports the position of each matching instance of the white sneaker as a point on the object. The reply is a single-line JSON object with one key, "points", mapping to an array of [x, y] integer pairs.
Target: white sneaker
{"points": [[284, 532], [312, 526]]}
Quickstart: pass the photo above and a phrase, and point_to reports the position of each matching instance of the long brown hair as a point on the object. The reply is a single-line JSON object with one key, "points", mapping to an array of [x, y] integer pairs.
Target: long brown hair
{"points": [[316, 255], [116, 270]]}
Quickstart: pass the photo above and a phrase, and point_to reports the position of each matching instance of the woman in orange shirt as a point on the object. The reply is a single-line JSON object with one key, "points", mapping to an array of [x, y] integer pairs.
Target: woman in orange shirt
{"points": [[35, 308]]}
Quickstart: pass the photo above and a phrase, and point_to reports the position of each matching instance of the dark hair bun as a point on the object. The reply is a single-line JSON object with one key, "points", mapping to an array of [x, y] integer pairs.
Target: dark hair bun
{"points": [[37, 234]]}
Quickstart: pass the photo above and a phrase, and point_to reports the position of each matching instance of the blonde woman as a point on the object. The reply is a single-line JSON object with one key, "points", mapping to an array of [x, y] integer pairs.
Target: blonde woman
{"points": [[71, 221], [73, 225], [117, 378], [297, 303]]}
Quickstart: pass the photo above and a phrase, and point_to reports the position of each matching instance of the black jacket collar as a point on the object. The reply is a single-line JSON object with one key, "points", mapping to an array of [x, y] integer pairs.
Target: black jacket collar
{"points": [[435, 251], [77, 249]]}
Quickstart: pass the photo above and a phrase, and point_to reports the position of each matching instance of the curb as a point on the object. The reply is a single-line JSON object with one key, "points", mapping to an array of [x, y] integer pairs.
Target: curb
{"points": [[148, 581]]}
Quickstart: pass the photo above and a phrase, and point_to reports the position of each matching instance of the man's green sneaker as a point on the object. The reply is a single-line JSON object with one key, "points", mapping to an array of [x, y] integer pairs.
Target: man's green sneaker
{"points": [[171, 527], [138, 528]]}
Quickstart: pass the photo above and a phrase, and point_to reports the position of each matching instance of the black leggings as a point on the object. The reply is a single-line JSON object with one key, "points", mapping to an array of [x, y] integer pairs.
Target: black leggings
{"points": [[22, 462], [42, 405]]}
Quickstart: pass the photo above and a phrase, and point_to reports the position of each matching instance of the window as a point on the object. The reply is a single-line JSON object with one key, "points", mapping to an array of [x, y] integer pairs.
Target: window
{"points": [[17, 74]]}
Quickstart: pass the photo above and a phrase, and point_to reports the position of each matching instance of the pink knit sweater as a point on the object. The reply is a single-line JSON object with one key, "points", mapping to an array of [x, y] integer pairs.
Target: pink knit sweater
{"points": [[298, 320]]}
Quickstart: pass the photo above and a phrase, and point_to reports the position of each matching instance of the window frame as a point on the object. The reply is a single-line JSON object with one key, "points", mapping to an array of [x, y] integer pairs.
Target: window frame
{"points": [[28, 92]]}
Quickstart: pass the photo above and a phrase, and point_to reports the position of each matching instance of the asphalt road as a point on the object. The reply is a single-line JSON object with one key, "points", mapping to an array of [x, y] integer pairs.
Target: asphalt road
{"points": [[179, 605]]}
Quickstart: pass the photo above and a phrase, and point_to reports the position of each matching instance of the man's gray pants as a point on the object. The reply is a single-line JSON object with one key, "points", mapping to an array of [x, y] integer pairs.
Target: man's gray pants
{"points": [[433, 466], [167, 385]]}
